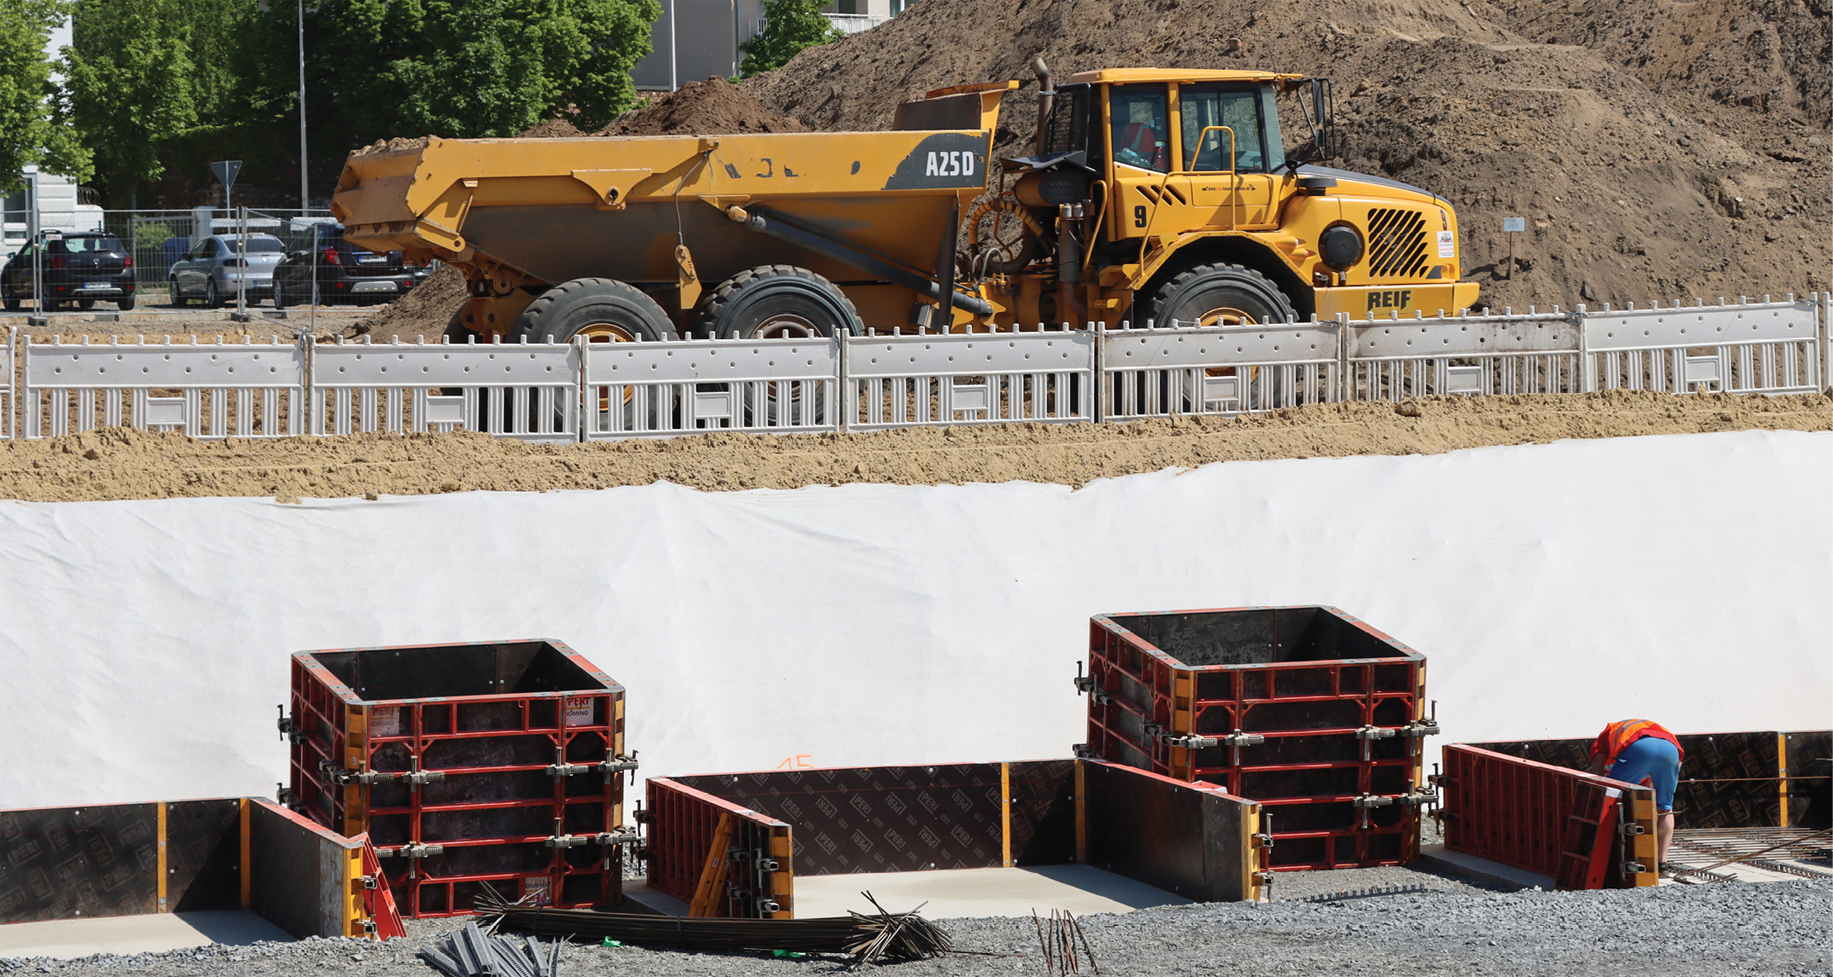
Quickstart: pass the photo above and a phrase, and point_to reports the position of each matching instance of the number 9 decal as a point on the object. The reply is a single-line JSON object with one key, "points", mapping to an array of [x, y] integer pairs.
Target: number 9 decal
{"points": [[1139, 216]]}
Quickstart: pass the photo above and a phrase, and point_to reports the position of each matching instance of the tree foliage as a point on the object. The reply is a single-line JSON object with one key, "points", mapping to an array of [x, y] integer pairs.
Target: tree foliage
{"points": [[462, 68], [142, 71], [790, 26], [34, 120]]}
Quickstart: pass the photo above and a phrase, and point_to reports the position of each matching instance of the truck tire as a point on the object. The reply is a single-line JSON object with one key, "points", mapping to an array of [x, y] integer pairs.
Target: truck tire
{"points": [[1220, 294], [603, 309], [777, 302], [1214, 295]]}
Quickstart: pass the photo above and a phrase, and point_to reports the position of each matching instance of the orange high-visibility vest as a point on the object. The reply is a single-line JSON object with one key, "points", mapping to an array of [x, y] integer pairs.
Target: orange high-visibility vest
{"points": [[1616, 737]]}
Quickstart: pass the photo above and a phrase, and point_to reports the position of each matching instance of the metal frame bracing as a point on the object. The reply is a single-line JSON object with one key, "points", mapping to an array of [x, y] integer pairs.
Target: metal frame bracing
{"points": [[1319, 718], [521, 787]]}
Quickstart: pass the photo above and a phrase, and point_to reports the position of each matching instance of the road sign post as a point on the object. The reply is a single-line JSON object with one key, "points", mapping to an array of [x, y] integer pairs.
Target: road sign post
{"points": [[1512, 226], [226, 170]]}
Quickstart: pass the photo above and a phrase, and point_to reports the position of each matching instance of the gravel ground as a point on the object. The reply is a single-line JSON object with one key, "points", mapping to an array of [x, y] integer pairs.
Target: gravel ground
{"points": [[1775, 930]]}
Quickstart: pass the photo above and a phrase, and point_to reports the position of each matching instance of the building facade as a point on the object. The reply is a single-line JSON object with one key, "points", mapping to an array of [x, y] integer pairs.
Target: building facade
{"points": [[695, 39], [48, 202]]}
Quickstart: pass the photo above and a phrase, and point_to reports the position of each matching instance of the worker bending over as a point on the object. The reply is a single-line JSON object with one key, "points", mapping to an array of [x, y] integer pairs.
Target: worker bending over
{"points": [[1637, 751]]}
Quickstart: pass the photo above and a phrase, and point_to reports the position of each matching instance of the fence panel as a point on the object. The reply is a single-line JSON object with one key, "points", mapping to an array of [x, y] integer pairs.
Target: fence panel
{"points": [[9, 417], [528, 391], [1392, 359], [968, 379], [206, 390], [1759, 347], [1218, 370], [765, 386]]}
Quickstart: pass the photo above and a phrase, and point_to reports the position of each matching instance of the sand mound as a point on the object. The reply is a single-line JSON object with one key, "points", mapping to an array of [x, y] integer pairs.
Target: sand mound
{"points": [[1637, 139], [122, 463], [712, 107], [423, 312]]}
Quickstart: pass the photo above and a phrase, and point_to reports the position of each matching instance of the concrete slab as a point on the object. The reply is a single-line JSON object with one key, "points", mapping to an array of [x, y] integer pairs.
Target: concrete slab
{"points": [[980, 892], [655, 900], [69, 939], [1483, 868]]}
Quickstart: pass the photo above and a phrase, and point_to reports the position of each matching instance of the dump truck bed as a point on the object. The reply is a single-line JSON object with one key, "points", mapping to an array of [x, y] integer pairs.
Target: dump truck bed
{"points": [[551, 210]]}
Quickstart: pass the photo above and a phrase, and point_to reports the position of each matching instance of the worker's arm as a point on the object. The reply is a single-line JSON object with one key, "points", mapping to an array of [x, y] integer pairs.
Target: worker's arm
{"points": [[1597, 764]]}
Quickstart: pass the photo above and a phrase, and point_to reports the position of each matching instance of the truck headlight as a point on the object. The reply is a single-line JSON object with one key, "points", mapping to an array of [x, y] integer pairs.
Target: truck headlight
{"points": [[1340, 247]]}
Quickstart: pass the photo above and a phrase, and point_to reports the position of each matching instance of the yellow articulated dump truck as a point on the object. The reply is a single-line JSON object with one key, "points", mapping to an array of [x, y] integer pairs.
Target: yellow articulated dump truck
{"points": [[1152, 194]]}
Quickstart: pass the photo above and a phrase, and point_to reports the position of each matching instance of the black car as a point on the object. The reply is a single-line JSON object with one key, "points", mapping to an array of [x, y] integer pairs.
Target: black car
{"points": [[345, 273], [77, 268]]}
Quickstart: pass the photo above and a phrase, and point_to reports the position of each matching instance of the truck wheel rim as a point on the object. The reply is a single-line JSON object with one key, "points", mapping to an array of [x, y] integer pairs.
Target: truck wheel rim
{"points": [[1227, 316], [608, 332], [786, 326]]}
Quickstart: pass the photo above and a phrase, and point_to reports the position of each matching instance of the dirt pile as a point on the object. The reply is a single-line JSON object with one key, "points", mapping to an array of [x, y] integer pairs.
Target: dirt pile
{"points": [[1638, 140], [423, 312], [122, 463], [712, 107]]}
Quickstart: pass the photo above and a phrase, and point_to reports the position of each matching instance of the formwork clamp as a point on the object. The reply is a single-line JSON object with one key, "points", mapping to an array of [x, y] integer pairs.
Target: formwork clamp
{"points": [[618, 763], [412, 850], [1087, 683], [417, 777], [287, 730], [1376, 732], [767, 906], [1421, 728], [1633, 868], [1187, 742], [1630, 829], [343, 778], [1082, 751]]}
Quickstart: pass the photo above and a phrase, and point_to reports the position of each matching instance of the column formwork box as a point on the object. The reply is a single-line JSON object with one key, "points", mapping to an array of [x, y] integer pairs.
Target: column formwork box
{"points": [[1307, 710], [484, 763]]}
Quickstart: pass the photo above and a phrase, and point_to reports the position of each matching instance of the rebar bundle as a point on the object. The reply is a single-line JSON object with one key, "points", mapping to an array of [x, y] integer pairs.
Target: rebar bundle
{"points": [[469, 953], [867, 938], [1059, 939]]}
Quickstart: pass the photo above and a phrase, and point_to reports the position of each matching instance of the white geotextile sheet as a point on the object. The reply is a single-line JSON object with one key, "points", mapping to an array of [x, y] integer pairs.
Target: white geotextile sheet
{"points": [[1553, 588]]}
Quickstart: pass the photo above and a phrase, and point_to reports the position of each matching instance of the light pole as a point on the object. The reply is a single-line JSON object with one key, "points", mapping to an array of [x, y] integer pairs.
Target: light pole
{"points": [[304, 199]]}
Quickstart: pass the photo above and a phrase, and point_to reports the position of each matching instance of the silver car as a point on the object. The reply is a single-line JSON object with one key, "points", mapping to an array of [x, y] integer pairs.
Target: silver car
{"points": [[218, 265]]}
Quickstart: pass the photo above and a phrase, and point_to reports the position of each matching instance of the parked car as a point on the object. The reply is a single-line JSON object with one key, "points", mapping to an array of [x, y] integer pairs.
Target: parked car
{"points": [[77, 267], [343, 272], [215, 266]]}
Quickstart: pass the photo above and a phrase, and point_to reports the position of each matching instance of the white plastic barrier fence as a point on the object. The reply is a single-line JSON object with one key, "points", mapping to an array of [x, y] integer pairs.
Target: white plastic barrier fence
{"points": [[1391, 359], [527, 391], [938, 379], [205, 390], [582, 391], [9, 418], [1757, 347], [1218, 370], [782, 386]]}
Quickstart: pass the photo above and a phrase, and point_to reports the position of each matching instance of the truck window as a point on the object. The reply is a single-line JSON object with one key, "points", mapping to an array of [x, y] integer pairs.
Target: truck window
{"points": [[1142, 136], [1236, 107]]}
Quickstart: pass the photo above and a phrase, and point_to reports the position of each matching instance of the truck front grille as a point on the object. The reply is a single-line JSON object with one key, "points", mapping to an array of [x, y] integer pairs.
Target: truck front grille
{"points": [[1396, 244]]}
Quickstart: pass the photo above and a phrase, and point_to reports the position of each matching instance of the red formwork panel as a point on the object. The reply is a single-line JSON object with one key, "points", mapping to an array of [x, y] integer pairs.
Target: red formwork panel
{"points": [[750, 875], [1586, 831], [1307, 710], [482, 763]]}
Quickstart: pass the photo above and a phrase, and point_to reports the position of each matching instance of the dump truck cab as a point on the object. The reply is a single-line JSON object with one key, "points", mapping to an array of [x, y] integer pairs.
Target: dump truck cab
{"points": [[1172, 195]]}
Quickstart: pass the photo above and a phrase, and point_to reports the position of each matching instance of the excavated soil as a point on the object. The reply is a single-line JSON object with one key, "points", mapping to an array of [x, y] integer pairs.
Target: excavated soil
{"points": [[1658, 150], [122, 463]]}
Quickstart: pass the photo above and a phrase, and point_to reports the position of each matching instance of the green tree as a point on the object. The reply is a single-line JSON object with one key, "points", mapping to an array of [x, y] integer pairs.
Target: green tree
{"points": [[34, 119], [130, 79], [462, 68], [789, 26]]}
